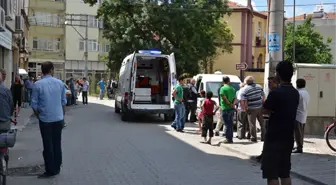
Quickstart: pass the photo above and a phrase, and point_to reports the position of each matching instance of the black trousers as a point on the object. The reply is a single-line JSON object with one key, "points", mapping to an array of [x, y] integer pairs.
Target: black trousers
{"points": [[207, 125], [85, 97], [52, 148], [191, 108]]}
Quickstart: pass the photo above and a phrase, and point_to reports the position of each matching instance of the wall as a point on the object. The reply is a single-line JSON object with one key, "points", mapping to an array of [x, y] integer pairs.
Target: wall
{"points": [[73, 38], [72, 43], [227, 62]]}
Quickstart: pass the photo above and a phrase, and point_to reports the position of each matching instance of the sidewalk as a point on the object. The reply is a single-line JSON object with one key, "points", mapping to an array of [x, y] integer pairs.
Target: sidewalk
{"points": [[315, 165]]}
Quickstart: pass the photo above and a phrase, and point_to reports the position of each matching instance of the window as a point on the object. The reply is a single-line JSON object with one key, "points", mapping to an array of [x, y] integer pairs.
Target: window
{"points": [[58, 44], [104, 48], [92, 45], [42, 44], [259, 29], [93, 21], [35, 43]]}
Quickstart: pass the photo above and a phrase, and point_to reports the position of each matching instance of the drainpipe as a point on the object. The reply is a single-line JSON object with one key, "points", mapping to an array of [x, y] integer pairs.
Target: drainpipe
{"points": [[249, 33]]}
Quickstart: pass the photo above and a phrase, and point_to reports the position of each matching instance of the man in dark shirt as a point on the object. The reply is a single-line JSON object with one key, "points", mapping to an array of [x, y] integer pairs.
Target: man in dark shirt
{"points": [[281, 104]]}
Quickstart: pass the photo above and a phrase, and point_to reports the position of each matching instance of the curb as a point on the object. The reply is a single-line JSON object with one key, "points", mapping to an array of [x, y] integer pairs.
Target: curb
{"points": [[294, 173]]}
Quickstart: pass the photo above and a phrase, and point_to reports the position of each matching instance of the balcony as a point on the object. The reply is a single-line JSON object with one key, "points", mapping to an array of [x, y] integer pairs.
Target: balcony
{"points": [[59, 55], [56, 5], [38, 29], [260, 42]]}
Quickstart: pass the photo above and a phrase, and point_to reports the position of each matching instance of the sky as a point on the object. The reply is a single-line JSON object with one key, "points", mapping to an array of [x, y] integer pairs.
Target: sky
{"points": [[261, 5]]}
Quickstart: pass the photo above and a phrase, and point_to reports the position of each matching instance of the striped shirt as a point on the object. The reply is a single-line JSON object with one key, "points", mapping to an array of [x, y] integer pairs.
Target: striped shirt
{"points": [[254, 95]]}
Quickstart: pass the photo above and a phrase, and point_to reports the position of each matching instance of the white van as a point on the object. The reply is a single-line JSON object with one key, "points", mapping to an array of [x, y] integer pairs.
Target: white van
{"points": [[146, 81], [212, 82]]}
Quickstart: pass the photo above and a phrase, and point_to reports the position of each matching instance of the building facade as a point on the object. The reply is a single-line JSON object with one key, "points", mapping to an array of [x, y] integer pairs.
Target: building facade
{"points": [[46, 36], [237, 21], [13, 29], [58, 34], [77, 12]]}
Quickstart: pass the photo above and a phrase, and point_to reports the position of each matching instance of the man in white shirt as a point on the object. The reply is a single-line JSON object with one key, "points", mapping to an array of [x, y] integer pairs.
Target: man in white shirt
{"points": [[301, 115], [85, 91]]}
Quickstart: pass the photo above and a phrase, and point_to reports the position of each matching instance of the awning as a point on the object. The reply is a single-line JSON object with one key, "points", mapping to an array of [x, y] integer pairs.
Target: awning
{"points": [[22, 72]]}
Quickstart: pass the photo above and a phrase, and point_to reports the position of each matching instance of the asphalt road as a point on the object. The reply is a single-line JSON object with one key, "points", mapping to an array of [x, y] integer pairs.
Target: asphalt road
{"points": [[99, 149]]}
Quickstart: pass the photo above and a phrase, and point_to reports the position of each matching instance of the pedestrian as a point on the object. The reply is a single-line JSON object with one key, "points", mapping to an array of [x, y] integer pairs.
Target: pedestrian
{"points": [[85, 89], [220, 122], [7, 106], [48, 103], [72, 89], [282, 104], [243, 125], [252, 99], [209, 108], [200, 114], [101, 84], [179, 121], [75, 90], [29, 86], [301, 115], [227, 97], [192, 102], [272, 85], [16, 89]]}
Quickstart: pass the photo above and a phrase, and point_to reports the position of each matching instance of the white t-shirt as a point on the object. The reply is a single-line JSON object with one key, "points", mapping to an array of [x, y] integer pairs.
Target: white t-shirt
{"points": [[302, 111], [85, 86]]}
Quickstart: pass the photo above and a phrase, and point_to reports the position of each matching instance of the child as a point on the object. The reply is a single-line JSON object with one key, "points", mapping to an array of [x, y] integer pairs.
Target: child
{"points": [[208, 107], [200, 114]]}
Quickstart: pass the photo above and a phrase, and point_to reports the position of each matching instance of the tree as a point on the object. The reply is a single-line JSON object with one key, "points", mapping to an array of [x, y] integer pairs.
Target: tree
{"points": [[184, 27], [309, 44]]}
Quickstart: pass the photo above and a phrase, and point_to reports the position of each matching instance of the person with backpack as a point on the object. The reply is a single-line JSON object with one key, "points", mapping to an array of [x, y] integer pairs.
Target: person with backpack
{"points": [[191, 102]]}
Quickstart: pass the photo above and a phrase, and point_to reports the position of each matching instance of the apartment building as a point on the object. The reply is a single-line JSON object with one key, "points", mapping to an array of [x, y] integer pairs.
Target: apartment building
{"points": [[58, 34], [77, 12], [13, 29], [46, 36]]}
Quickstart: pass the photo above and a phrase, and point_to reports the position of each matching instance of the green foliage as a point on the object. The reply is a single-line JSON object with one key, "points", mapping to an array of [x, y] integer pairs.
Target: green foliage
{"points": [[193, 31], [309, 44]]}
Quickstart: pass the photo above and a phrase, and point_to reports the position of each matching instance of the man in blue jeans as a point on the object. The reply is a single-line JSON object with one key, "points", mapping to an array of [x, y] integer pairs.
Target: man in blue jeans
{"points": [[48, 103], [179, 121], [101, 88], [227, 98]]}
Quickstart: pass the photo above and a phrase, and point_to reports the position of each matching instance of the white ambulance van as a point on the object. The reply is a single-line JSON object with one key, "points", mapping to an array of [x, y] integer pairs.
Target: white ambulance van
{"points": [[146, 81]]}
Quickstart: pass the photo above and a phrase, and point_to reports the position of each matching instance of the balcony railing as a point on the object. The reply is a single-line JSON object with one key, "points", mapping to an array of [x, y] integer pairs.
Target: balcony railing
{"points": [[52, 21]]}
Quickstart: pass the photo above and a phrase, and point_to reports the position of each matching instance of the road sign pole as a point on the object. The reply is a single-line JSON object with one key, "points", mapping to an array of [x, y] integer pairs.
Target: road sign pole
{"points": [[275, 38]]}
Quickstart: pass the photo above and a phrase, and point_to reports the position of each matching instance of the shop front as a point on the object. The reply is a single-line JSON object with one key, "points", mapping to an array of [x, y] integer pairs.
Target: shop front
{"points": [[6, 57]]}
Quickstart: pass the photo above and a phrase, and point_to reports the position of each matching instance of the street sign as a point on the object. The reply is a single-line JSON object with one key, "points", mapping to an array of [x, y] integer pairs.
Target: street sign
{"points": [[273, 42], [242, 66]]}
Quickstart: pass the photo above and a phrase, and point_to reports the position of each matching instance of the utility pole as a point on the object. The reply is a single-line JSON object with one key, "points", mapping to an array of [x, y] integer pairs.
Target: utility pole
{"points": [[275, 38], [86, 45], [294, 25]]}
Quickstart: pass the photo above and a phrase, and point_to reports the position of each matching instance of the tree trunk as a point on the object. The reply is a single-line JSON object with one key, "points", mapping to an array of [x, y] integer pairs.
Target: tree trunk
{"points": [[211, 63], [205, 66]]}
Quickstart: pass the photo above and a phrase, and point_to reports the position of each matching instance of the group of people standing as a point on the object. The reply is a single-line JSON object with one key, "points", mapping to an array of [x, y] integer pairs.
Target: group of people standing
{"points": [[281, 115]]}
